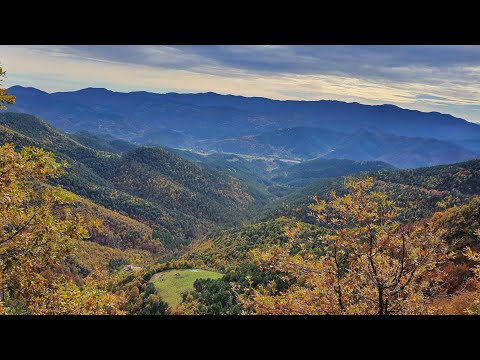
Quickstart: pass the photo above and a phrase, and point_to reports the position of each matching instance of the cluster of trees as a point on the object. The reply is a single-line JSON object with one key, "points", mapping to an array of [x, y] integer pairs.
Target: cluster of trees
{"points": [[143, 299], [369, 264], [38, 233], [5, 98], [474, 307], [219, 296], [460, 223], [228, 249], [38, 230]]}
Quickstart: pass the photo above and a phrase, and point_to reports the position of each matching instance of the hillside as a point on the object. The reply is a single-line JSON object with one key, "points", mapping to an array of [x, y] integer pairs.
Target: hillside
{"points": [[175, 197], [419, 192], [173, 182], [102, 142], [254, 172], [227, 250], [259, 126], [304, 173]]}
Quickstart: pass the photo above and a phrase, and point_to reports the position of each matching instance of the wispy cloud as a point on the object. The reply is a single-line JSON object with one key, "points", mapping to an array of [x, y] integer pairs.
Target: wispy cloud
{"points": [[430, 97], [427, 78]]}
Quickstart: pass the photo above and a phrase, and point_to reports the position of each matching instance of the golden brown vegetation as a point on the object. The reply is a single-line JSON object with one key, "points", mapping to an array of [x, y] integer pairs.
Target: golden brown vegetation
{"points": [[33, 237], [370, 264]]}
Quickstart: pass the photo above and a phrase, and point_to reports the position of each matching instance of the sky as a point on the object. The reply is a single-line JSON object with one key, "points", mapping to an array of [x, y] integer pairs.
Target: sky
{"points": [[426, 78]]}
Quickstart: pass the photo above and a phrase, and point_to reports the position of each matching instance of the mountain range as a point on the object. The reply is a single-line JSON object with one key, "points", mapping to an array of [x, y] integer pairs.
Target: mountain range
{"points": [[287, 129]]}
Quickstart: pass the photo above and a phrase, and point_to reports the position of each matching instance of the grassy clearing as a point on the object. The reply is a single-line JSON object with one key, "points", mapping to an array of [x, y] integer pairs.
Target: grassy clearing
{"points": [[172, 283]]}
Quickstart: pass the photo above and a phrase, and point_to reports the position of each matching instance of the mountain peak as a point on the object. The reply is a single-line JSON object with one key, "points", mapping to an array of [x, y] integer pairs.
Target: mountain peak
{"points": [[25, 89], [94, 90]]}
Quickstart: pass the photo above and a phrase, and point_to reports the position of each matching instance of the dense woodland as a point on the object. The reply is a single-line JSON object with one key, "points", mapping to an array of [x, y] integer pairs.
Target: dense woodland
{"points": [[177, 198], [88, 219]]}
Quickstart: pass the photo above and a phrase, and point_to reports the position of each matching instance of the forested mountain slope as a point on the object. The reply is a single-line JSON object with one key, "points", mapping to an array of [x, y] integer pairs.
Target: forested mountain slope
{"points": [[175, 197], [419, 192], [227, 250]]}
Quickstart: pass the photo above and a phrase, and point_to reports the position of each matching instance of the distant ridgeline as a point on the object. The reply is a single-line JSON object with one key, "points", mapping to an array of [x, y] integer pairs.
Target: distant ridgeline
{"points": [[259, 126]]}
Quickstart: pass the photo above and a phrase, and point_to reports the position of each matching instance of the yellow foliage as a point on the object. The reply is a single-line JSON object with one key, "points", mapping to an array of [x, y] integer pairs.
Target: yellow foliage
{"points": [[37, 230], [4, 97], [370, 263], [474, 307], [63, 298]]}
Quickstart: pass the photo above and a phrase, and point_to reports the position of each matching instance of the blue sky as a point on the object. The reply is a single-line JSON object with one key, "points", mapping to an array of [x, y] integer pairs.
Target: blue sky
{"points": [[427, 78]]}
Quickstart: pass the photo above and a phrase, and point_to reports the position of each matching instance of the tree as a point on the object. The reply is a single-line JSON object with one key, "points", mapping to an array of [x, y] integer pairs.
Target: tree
{"points": [[474, 308], [189, 306], [152, 304], [64, 297], [4, 97], [366, 263], [37, 228]]}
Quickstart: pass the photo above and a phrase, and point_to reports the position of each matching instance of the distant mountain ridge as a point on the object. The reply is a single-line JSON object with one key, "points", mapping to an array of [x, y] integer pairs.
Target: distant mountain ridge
{"points": [[252, 125]]}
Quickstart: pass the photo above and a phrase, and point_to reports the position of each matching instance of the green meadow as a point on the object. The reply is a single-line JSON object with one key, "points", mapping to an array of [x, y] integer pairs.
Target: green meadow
{"points": [[172, 283]]}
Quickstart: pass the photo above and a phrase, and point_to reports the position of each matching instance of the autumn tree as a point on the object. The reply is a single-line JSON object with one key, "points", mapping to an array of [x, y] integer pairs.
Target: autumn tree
{"points": [[366, 263], [64, 297], [4, 97], [37, 230], [474, 307]]}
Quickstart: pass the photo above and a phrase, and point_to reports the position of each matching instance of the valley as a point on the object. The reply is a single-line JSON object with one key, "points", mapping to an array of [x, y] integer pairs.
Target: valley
{"points": [[197, 191]]}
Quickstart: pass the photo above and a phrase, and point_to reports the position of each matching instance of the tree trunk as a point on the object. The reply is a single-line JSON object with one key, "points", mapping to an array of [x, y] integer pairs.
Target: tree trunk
{"points": [[381, 303]]}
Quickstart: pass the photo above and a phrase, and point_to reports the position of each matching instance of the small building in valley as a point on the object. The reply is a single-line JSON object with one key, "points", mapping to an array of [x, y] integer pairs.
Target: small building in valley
{"points": [[130, 267]]}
